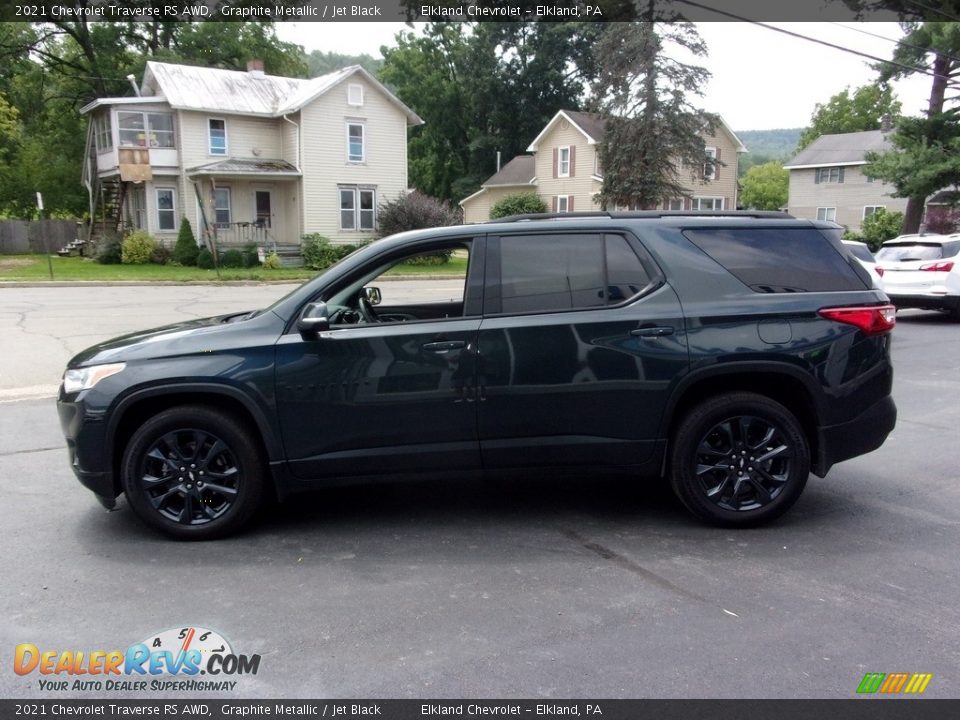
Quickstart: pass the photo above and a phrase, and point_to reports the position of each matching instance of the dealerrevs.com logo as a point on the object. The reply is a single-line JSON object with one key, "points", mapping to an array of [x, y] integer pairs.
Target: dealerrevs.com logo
{"points": [[157, 663]]}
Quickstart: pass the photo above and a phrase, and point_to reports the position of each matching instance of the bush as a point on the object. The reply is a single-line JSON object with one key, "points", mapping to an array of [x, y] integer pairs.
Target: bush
{"points": [[250, 256], [186, 250], [231, 259], [272, 262], [441, 257], [414, 211], [161, 255], [110, 251], [137, 248], [318, 253], [523, 203], [881, 226], [204, 259]]}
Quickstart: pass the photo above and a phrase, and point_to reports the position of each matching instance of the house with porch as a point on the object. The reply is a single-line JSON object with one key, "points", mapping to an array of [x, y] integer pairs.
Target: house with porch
{"points": [[245, 156], [564, 169]]}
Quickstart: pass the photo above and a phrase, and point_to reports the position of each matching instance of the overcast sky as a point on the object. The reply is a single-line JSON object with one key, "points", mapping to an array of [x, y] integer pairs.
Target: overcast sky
{"points": [[762, 79]]}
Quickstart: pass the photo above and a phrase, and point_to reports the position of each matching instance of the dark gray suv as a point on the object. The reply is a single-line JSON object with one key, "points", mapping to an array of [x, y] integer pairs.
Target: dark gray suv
{"points": [[729, 353]]}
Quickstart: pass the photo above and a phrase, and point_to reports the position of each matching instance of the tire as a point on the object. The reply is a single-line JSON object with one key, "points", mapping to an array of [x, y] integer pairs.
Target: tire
{"points": [[710, 462], [168, 465]]}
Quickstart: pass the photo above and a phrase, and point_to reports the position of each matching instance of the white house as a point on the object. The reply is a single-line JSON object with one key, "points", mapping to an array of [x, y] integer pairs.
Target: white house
{"points": [[246, 156]]}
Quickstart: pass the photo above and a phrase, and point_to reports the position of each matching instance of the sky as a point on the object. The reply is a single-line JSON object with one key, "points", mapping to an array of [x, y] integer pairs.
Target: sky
{"points": [[762, 79]]}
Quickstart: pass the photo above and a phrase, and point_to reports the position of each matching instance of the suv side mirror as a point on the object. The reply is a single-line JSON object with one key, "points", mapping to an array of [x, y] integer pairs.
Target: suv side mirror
{"points": [[313, 319], [372, 295]]}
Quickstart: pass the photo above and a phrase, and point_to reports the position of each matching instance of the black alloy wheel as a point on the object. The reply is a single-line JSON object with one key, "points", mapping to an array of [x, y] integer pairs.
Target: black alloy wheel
{"points": [[739, 459], [193, 472]]}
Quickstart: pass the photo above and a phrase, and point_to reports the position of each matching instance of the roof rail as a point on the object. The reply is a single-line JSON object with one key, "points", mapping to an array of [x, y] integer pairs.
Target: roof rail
{"points": [[627, 214]]}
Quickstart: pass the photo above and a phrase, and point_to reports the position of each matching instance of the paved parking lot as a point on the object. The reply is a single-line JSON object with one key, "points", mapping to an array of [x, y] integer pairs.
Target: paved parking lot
{"points": [[587, 588]]}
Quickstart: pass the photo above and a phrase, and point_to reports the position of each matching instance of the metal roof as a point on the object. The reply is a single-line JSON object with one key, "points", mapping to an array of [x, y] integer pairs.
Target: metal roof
{"points": [[245, 166], [840, 149], [120, 101], [188, 87]]}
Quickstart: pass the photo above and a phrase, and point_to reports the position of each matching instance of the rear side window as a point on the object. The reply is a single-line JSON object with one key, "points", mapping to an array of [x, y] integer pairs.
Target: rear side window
{"points": [[545, 273], [778, 260], [917, 251], [861, 252]]}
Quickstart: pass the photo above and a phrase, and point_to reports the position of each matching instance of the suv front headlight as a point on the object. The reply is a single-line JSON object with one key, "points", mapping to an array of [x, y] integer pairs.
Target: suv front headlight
{"points": [[79, 379]]}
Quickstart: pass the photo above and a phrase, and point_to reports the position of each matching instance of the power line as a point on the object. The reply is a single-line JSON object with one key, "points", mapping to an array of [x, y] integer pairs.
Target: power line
{"points": [[938, 11], [891, 40], [841, 48]]}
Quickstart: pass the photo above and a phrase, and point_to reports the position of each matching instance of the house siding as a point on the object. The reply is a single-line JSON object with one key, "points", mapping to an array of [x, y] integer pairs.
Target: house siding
{"points": [[325, 166], [478, 209], [849, 197]]}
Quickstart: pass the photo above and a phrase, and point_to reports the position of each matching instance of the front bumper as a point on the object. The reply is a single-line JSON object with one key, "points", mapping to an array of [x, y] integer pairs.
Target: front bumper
{"points": [[863, 434], [87, 448]]}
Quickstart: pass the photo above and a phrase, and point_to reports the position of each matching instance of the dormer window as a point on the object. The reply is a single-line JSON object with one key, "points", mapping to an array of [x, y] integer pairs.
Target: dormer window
{"points": [[217, 134], [355, 95]]}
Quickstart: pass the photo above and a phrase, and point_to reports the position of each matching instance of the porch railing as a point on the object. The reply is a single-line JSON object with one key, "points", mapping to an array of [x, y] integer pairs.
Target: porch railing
{"points": [[244, 233]]}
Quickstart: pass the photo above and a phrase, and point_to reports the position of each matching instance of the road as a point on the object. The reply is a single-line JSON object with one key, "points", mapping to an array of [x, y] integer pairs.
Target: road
{"points": [[586, 588]]}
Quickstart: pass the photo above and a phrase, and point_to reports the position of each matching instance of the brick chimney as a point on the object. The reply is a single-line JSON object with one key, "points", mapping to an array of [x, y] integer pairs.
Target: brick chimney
{"points": [[255, 67]]}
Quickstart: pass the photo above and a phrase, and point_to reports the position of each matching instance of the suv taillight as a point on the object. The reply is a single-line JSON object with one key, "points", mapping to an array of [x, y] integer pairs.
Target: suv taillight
{"points": [[872, 320], [938, 266], [879, 270]]}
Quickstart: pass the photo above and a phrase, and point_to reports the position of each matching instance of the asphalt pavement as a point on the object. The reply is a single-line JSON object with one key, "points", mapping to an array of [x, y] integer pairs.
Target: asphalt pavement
{"points": [[584, 588]]}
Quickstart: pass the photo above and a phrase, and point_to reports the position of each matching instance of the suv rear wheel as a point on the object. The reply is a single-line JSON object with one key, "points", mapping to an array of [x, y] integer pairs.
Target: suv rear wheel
{"points": [[739, 459], [193, 473]]}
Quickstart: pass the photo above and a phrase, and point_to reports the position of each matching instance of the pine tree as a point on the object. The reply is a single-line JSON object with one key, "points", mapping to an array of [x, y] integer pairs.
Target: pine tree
{"points": [[186, 250]]}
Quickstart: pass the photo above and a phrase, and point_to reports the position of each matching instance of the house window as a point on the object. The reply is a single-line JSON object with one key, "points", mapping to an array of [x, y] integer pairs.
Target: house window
{"points": [[707, 203], [166, 209], [217, 133], [675, 204], [102, 132], [357, 208], [829, 175], [221, 206], [563, 203], [139, 129], [827, 213], [563, 162], [138, 206], [710, 166], [869, 210], [356, 152], [355, 95]]}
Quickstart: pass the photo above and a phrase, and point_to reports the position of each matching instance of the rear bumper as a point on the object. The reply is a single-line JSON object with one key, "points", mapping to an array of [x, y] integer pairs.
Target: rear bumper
{"points": [[950, 303], [863, 434]]}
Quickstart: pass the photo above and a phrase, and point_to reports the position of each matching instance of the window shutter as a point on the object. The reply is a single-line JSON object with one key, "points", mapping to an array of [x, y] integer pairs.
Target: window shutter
{"points": [[570, 197], [841, 175], [687, 204], [716, 165], [556, 160], [554, 170], [573, 162], [816, 176]]}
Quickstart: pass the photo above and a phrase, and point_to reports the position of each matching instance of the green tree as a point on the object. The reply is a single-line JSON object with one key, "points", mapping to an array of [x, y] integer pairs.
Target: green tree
{"points": [[186, 250], [483, 88], [765, 187], [654, 134], [878, 227], [321, 63], [846, 112], [522, 203], [926, 149]]}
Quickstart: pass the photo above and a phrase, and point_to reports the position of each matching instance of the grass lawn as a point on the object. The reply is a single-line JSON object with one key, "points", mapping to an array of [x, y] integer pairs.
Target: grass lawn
{"points": [[35, 268]]}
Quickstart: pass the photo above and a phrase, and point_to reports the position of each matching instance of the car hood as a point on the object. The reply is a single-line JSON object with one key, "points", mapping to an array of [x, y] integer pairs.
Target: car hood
{"points": [[212, 334]]}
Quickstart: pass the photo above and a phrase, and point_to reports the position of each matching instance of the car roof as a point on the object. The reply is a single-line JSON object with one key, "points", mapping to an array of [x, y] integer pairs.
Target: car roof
{"points": [[921, 240]]}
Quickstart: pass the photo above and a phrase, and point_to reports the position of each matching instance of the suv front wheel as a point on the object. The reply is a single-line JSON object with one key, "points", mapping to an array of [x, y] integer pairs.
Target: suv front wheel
{"points": [[739, 459], [193, 472]]}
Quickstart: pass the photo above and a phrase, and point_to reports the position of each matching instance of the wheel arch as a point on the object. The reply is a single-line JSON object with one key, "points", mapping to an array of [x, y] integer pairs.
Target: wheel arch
{"points": [[134, 409], [783, 383]]}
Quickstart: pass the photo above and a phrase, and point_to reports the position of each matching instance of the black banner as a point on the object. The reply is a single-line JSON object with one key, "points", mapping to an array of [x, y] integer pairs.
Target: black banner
{"points": [[856, 709]]}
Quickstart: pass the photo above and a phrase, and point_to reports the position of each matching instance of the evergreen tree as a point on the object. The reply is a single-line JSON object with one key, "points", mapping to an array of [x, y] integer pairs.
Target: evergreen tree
{"points": [[186, 249], [654, 133]]}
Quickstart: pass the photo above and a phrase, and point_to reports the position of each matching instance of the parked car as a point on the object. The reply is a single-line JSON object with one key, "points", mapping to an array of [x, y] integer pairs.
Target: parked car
{"points": [[861, 251], [923, 271], [730, 353]]}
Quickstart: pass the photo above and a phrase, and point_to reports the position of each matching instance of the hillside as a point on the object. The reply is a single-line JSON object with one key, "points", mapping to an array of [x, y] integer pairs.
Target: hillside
{"points": [[768, 145]]}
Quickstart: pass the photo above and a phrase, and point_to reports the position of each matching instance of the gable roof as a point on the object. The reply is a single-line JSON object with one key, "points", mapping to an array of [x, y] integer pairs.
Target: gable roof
{"points": [[519, 171], [840, 149], [591, 126], [190, 87]]}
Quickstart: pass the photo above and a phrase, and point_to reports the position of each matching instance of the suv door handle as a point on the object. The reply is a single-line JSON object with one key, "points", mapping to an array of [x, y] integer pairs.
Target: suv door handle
{"points": [[652, 332], [443, 346]]}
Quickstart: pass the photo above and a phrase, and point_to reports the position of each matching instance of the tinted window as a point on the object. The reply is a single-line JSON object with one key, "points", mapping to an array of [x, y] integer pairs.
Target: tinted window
{"points": [[917, 251], [861, 252], [542, 273], [778, 260]]}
